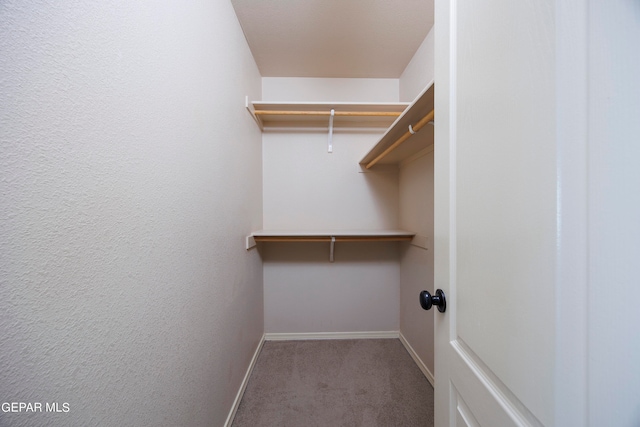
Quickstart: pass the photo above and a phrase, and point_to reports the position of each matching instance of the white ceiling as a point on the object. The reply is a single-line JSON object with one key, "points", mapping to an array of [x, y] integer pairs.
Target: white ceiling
{"points": [[334, 38]]}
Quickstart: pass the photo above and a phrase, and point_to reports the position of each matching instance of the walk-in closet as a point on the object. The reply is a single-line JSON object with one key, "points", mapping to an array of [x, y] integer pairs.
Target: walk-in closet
{"points": [[348, 211], [347, 219]]}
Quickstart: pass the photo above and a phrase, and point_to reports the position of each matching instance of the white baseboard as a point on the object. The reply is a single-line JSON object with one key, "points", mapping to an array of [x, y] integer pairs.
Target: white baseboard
{"points": [[243, 385], [329, 335], [417, 359]]}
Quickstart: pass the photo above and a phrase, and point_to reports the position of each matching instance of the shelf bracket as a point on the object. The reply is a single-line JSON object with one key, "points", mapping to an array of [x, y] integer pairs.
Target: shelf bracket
{"points": [[331, 248], [330, 146], [249, 106], [250, 242]]}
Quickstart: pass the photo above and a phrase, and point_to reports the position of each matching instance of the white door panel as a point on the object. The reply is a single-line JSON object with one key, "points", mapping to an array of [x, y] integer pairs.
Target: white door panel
{"points": [[485, 397], [463, 415], [537, 200], [497, 159]]}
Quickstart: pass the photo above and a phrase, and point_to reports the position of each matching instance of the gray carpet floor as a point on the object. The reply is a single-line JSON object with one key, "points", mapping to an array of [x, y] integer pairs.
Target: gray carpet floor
{"points": [[364, 383]]}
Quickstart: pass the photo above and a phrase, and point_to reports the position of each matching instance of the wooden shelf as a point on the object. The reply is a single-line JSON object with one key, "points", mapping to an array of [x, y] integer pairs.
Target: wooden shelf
{"points": [[331, 237], [338, 236], [423, 138], [317, 114]]}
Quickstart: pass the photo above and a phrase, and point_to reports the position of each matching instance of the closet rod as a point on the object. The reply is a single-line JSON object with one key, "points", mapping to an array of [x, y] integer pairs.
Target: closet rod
{"points": [[412, 129], [327, 113]]}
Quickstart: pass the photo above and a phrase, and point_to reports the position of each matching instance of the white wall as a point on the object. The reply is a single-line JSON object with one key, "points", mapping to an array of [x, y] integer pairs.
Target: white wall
{"points": [[307, 188], [306, 89], [305, 293], [420, 70], [416, 263], [129, 174], [416, 214]]}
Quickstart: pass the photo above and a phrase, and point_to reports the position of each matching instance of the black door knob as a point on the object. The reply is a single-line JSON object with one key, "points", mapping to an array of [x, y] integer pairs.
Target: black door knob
{"points": [[439, 300]]}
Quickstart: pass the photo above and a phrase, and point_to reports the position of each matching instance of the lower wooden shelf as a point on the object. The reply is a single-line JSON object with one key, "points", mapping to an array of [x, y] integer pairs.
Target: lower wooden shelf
{"points": [[335, 236], [330, 237]]}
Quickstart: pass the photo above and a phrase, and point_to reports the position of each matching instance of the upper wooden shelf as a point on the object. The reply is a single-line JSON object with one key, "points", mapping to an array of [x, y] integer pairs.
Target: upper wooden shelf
{"points": [[317, 114], [398, 143]]}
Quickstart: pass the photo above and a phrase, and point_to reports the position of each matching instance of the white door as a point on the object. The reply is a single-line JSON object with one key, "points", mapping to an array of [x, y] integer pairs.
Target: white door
{"points": [[496, 214], [535, 145]]}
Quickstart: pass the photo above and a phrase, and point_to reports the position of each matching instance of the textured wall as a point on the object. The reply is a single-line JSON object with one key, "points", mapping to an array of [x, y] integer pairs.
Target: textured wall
{"points": [[129, 174]]}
